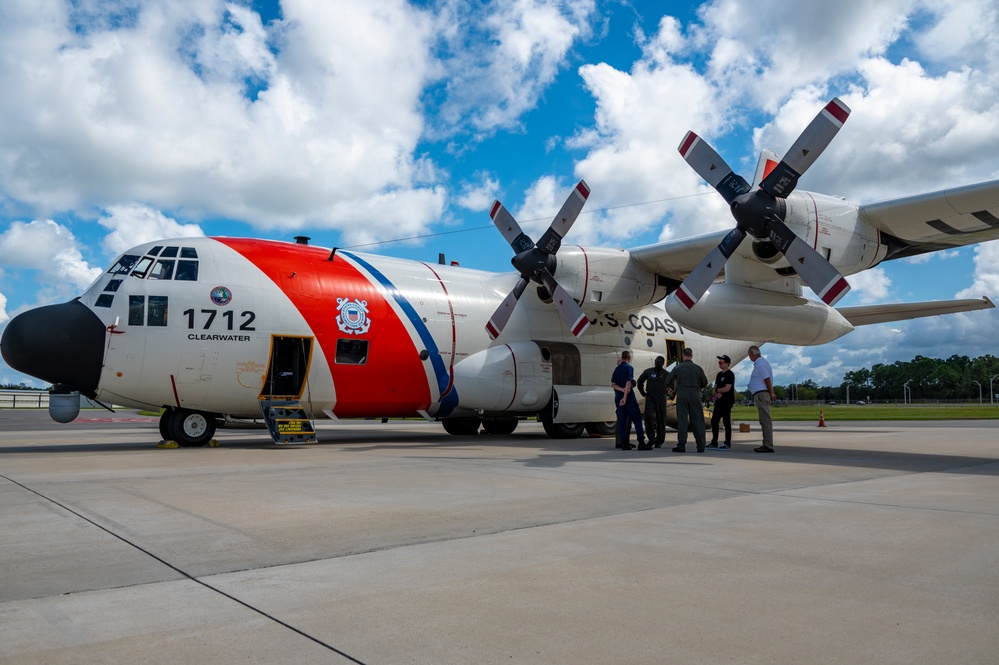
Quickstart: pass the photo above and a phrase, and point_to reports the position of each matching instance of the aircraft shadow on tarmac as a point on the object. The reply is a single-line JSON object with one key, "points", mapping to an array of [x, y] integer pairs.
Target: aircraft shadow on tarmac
{"points": [[550, 453]]}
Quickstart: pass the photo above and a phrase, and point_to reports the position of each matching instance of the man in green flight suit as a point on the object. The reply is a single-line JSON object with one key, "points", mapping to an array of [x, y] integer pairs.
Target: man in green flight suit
{"points": [[689, 380]]}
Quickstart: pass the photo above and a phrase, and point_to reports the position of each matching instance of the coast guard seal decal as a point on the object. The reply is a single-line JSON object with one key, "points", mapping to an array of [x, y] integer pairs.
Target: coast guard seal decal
{"points": [[353, 316], [221, 296]]}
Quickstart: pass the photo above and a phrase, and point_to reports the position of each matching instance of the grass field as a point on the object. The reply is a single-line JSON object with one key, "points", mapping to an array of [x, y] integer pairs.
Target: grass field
{"points": [[874, 412]]}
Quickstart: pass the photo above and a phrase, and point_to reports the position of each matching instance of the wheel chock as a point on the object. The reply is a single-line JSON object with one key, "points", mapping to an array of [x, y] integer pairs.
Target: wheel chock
{"points": [[167, 444], [214, 443]]}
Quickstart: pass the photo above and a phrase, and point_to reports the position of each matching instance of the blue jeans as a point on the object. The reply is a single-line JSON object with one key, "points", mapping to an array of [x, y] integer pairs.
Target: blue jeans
{"points": [[626, 413]]}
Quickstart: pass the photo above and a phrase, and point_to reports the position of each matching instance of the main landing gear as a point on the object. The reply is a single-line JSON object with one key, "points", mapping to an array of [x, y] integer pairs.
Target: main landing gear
{"points": [[190, 429]]}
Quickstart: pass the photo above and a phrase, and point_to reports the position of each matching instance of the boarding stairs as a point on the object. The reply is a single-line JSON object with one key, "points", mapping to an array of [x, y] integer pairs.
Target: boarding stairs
{"points": [[287, 422]]}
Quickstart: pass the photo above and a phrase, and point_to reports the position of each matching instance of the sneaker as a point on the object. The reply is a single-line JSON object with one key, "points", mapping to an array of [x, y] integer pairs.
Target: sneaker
{"points": [[678, 449], [724, 446], [711, 445], [763, 449]]}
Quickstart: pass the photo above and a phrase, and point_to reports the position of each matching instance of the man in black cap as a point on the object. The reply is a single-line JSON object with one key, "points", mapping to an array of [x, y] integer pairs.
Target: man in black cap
{"points": [[652, 385], [724, 399]]}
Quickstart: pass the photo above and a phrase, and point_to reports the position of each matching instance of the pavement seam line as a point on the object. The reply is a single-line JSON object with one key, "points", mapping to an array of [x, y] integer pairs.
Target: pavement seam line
{"points": [[184, 573]]}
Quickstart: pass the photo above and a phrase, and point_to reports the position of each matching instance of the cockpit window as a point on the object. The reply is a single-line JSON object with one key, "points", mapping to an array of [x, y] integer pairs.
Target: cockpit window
{"points": [[164, 267], [142, 267], [113, 285], [124, 264], [187, 271], [162, 270], [157, 311], [136, 310]]}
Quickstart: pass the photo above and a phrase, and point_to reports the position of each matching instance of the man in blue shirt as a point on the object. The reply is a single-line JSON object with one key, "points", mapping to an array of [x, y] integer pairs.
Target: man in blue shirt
{"points": [[623, 382], [761, 386]]}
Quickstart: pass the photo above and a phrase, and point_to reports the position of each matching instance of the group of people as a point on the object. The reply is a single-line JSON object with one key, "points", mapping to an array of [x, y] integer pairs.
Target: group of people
{"points": [[687, 381]]}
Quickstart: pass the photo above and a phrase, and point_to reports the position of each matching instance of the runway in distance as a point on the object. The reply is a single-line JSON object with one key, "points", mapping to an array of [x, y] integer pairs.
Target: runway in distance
{"points": [[217, 328]]}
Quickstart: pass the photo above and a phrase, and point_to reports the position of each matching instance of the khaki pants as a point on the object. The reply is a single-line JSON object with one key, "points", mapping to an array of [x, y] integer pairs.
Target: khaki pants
{"points": [[762, 402]]}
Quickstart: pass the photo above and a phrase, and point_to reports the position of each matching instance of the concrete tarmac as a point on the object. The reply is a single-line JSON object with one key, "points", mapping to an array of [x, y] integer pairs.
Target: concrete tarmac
{"points": [[397, 543]]}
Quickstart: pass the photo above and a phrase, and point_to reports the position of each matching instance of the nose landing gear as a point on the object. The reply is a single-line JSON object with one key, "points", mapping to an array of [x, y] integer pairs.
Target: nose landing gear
{"points": [[190, 429]]}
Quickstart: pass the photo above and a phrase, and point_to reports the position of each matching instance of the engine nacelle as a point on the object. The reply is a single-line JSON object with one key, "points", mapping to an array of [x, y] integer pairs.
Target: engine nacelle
{"points": [[583, 404], [740, 312], [506, 377], [603, 280]]}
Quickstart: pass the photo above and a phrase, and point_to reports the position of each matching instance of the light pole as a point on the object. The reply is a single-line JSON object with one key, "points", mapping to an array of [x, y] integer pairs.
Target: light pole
{"points": [[906, 392], [979, 392], [992, 397]]}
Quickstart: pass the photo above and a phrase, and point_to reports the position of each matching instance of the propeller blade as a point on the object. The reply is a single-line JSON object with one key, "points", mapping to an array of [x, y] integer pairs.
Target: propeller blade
{"points": [[709, 165], [499, 319], [820, 275], [571, 312], [701, 277], [510, 229], [806, 149], [566, 217]]}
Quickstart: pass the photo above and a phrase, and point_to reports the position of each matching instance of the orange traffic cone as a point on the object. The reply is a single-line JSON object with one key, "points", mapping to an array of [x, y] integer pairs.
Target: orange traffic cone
{"points": [[822, 419]]}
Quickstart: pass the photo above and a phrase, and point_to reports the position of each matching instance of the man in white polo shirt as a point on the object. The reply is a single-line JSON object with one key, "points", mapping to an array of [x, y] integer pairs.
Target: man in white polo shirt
{"points": [[761, 386]]}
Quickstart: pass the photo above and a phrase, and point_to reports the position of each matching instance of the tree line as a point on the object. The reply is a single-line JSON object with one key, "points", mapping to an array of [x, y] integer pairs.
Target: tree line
{"points": [[920, 379]]}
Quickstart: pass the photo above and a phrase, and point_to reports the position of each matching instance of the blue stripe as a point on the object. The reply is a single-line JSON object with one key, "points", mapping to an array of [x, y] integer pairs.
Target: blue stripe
{"points": [[450, 401]]}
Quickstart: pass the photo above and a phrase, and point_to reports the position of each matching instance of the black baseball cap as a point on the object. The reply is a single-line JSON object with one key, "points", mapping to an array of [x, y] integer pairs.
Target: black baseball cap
{"points": [[726, 359]]}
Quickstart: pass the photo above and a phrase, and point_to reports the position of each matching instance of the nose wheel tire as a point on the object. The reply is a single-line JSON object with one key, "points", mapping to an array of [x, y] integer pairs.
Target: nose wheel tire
{"points": [[190, 429]]}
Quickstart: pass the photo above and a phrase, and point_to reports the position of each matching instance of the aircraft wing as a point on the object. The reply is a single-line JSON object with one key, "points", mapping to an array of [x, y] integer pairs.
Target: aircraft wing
{"points": [[676, 258], [939, 220], [869, 314]]}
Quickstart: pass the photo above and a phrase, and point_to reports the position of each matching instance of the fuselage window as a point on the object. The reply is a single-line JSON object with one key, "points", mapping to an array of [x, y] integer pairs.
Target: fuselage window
{"points": [[157, 311], [188, 253], [136, 310], [163, 269], [351, 351], [169, 252], [187, 271], [113, 285], [104, 300], [124, 264], [142, 267]]}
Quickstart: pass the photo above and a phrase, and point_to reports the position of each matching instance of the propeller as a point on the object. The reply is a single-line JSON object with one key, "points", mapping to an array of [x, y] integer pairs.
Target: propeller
{"points": [[760, 212], [536, 262]]}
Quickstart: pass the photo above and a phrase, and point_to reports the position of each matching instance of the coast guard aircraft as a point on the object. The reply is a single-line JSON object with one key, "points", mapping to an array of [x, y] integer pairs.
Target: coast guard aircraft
{"points": [[217, 328]]}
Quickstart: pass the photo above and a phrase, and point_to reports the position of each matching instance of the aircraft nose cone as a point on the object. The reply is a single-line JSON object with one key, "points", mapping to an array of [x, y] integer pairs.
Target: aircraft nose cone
{"points": [[59, 344]]}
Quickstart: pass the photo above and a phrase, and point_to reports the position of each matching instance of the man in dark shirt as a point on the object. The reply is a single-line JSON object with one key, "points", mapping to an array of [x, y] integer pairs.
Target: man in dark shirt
{"points": [[623, 381], [652, 385], [689, 380], [724, 399]]}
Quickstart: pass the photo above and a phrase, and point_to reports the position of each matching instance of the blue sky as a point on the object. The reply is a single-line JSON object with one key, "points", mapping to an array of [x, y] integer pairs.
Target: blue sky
{"points": [[123, 121]]}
